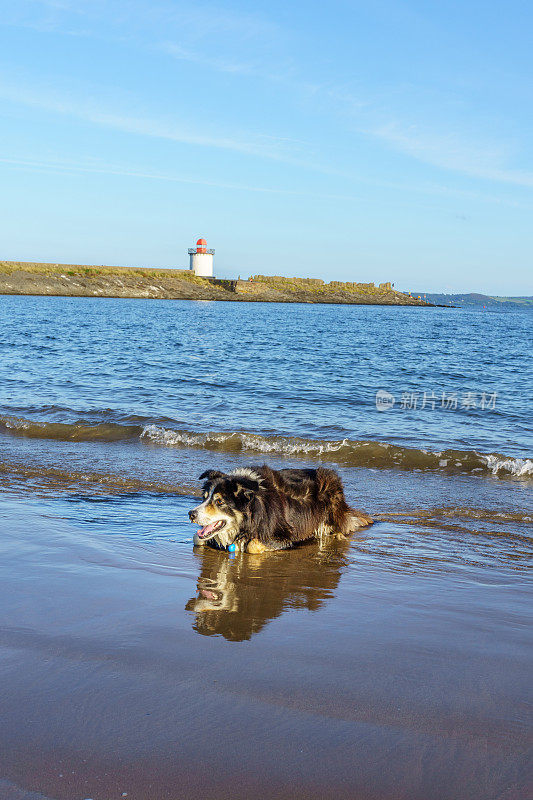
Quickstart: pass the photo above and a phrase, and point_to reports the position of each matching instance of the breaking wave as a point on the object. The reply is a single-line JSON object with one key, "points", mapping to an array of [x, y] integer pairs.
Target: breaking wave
{"points": [[69, 432], [346, 452], [379, 455]]}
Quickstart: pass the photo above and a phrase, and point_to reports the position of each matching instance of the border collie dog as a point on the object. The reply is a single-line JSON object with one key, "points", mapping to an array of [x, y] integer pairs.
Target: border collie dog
{"points": [[262, 509]]}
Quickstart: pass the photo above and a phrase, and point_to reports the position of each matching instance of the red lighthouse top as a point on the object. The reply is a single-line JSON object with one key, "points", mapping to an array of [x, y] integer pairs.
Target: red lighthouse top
{"points": [[201, 246]]}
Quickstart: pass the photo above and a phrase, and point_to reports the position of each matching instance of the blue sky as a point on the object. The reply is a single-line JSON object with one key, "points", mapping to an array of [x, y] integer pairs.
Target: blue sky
{"points": [[369, 141]]}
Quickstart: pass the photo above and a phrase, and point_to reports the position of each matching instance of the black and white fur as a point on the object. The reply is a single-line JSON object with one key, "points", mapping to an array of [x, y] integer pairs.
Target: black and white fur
{"points": [[260, 509]]}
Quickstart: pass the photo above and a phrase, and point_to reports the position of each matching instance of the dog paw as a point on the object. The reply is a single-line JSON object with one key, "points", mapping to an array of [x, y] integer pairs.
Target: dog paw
{"points": [[360, 520], [255, 546]]}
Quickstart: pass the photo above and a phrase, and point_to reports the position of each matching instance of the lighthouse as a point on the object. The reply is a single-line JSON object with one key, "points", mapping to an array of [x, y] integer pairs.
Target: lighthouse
{"points": [[201, 259]]}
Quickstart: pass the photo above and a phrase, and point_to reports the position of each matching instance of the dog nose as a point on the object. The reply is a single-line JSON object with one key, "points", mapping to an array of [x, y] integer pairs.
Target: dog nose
{"points": [[192, 515]]}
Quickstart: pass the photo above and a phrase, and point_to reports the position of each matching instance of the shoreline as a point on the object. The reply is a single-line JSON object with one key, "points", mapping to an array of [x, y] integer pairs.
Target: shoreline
{"points": [[74, 280]]}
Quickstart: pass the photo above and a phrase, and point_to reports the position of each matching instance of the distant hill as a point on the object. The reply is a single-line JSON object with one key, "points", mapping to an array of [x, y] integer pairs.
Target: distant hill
{"points": [[475, 300]]}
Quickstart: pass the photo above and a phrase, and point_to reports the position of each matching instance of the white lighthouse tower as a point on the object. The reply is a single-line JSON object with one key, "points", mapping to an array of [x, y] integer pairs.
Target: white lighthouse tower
{"points": [[201, 259]]}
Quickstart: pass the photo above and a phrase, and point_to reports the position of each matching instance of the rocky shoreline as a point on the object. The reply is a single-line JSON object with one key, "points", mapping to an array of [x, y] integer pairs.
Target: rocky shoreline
{"points": [[74, 280]]}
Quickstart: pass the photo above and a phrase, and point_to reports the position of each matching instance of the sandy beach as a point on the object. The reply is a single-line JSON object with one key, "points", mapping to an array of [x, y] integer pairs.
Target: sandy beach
{"points": [[157, 672]]}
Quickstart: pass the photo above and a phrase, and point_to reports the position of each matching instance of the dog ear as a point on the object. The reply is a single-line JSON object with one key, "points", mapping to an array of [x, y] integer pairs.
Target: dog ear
{"points": [[246, 487], [247, 494], [210, 474]]}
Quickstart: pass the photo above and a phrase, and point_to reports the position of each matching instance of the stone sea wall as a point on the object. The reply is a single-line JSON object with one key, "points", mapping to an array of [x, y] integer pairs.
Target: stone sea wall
{"points": [[75, 280]]}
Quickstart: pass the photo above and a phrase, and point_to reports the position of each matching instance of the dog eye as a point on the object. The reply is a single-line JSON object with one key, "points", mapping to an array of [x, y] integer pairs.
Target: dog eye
{"points": [[205, 495], [218, 501]]}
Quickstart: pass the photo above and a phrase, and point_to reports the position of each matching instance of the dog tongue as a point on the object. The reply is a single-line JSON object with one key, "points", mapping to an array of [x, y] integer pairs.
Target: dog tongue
{"points": [[206, 530]]}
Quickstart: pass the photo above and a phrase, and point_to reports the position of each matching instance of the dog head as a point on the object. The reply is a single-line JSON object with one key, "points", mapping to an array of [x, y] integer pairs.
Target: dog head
{"points": [[225, 509]]}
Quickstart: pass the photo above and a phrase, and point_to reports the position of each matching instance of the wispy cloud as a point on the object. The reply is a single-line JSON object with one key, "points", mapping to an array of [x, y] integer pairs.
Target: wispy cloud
{"points": [[447, 153], [68, 167], [98, 113], [122, 19], [204, 19], [90, 166], [219, 64], [209, 35], [206, 34], [452, 152], [58, 5]]}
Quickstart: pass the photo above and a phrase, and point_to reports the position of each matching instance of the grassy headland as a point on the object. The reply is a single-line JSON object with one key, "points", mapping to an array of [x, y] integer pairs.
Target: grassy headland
{"points": [[476, 300], [75, 280]]}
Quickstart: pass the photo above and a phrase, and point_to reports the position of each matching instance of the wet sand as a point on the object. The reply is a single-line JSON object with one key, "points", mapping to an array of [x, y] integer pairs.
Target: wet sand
{"points": [[392, 666]]}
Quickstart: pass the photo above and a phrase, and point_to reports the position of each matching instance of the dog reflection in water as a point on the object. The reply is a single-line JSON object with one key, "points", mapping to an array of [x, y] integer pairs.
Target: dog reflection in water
{"points": [[237, 596]]}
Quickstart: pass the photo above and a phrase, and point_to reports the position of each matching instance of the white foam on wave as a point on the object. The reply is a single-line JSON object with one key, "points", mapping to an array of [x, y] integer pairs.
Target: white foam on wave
{"points": [[246, 441], [514, 466], [16, 424]]}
